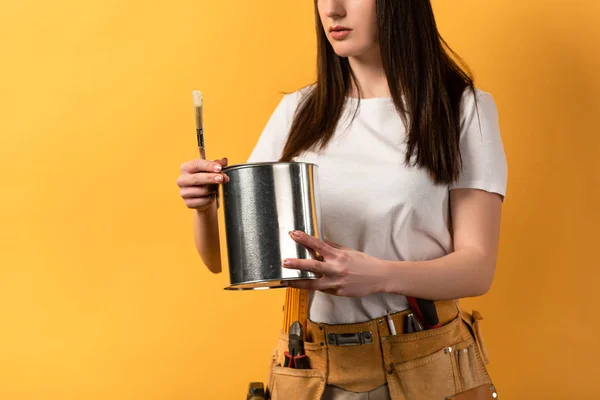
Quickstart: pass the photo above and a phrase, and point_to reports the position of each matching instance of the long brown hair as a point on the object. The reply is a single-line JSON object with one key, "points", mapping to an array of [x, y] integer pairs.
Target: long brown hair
{"points": [[419, 65]]}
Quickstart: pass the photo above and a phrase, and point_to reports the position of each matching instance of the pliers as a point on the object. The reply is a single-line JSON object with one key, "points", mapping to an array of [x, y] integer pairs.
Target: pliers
{"points": [[295, 357]]}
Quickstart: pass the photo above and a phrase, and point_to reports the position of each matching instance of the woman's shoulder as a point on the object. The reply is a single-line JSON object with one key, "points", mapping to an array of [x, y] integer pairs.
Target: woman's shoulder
{"points": [[298, 96], [478, 103], [475, 95]]}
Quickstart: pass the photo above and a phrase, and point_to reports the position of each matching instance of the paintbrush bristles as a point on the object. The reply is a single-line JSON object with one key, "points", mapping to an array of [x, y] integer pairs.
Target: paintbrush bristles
{"points": [[197, 95]]}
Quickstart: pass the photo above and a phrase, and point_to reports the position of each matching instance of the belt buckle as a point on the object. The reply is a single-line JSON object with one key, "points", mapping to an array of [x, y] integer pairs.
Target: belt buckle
{"points": [[349, 339]]}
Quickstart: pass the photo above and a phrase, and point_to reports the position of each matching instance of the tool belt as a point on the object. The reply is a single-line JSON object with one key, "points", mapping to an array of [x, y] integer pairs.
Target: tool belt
{"points": [[447, 362]]}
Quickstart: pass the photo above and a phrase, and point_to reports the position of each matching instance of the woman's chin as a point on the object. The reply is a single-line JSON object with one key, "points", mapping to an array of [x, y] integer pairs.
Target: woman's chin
{"points": [[346, 50], [344, 53]]}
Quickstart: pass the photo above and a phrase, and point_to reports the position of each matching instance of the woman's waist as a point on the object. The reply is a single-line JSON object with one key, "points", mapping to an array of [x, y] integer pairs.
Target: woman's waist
{"points": [[384, 322], [330, 309]]}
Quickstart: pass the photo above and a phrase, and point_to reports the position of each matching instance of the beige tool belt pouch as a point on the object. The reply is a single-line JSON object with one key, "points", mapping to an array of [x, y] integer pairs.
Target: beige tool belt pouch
{"points": [[434, 364]]}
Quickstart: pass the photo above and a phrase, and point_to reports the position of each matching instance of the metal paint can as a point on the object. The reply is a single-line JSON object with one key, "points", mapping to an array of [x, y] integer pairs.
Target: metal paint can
{"points": [[262, 203]]}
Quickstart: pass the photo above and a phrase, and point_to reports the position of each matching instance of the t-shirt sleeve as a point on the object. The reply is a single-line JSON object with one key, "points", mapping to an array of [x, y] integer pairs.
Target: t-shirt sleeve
{"points": [[270, 144], [483, 157]]}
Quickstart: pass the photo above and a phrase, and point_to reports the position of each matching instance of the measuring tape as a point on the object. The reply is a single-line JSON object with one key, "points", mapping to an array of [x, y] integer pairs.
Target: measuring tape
{"points": [[295, 308]]}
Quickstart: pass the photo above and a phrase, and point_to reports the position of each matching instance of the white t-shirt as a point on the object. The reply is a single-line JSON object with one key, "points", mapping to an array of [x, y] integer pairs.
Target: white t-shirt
{"points": [[374, 204]]}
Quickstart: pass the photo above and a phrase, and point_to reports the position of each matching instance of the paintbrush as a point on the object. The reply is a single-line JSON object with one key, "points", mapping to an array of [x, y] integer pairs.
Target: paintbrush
{"points": [[197, 95], [198, 100]]}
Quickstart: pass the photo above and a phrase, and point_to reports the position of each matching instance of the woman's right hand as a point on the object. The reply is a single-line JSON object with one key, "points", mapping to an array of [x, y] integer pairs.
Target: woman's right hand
{"points": [[199, 182]]}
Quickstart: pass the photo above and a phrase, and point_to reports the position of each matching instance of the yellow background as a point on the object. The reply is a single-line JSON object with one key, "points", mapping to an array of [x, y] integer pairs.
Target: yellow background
{"points": [[102, 295]]}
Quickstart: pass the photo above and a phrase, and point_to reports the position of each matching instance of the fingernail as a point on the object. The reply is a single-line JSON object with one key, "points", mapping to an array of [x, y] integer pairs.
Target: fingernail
{"points": [[218, 178], [217, 168], [295, 233], [287, 263]]}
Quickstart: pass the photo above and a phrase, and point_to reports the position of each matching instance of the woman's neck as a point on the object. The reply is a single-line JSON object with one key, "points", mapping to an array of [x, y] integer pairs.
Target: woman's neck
{"points": [[370, 75]]}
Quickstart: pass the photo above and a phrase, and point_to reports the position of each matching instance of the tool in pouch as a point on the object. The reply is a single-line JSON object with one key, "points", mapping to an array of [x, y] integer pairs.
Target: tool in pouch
{"points": [[295, 309], [412, 324], [295, 356], [425, 311]]}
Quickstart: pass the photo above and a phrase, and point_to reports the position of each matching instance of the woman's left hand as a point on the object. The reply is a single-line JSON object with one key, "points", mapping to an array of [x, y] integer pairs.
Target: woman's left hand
{"points": [[342, 271]]}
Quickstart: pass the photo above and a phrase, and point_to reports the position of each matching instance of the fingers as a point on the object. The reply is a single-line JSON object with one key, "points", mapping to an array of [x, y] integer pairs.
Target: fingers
{"points": [[202, 172], [223, 161], [321, 284], [192, 192], [200, 203], [314, 266], [199, 197], [306, 284], [201, 178], [315, 244], [329, 274], [314, 254], [201, 165]]}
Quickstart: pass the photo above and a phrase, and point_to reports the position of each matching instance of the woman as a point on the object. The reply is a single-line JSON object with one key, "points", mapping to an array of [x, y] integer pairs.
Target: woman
{"points": [[412, 174]]}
